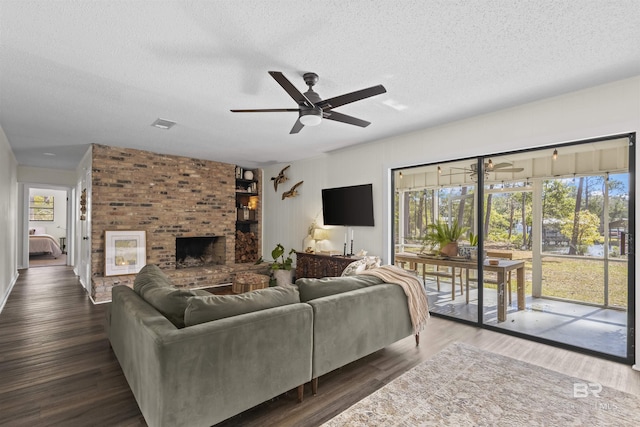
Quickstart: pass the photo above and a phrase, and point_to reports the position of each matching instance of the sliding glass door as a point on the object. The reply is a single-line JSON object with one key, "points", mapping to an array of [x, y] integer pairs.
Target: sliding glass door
{"points": [[546, 252], [428, 200]]}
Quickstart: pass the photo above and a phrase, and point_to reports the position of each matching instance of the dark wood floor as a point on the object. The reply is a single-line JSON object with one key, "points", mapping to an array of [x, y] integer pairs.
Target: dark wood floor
{"points": [[56, 367]]}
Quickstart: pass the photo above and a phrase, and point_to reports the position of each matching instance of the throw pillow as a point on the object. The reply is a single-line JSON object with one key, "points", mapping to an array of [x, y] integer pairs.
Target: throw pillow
{"points": [[318, 288], [214, 307], [150, 275], [170, 301], [362, 264], [156, 288]]}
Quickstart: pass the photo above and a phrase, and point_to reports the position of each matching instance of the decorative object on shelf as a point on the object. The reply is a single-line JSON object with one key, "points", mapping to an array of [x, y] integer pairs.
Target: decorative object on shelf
{"points": [[292, 192], [83, 205], [125, 252], [308, 244], [281, 266], [469, 251], [280, 178], [248, 175]]}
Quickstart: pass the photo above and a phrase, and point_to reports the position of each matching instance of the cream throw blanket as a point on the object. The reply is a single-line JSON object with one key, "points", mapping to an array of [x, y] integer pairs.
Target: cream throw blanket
{"points": [[416, 296]]}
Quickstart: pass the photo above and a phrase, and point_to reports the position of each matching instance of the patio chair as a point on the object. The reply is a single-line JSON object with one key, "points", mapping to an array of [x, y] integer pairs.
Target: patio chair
{"points": [[501, 255]]}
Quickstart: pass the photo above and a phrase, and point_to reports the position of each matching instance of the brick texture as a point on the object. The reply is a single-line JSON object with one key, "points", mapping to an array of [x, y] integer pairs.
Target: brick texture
{"points": [[168, 197]]}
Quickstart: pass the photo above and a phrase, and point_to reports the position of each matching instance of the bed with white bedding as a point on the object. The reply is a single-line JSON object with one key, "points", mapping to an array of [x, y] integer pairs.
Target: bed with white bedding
{"points": [[43, 244]]}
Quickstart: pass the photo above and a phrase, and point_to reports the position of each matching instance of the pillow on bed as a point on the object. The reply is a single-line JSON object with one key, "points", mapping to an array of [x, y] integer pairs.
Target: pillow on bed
{"points": [[38, 230]]}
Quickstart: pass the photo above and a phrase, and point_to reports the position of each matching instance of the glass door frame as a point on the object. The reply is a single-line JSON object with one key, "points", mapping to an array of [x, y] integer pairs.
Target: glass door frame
{"points": [[480, 214]]}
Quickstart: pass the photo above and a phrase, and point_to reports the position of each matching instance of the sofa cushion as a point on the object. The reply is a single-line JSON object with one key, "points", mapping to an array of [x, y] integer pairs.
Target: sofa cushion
{"points": [[317, 288], [156, 288], [170, 301], [150, 275], [214, 307]]}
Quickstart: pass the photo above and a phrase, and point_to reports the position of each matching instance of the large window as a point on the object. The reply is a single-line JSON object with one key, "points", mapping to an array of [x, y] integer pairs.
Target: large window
{"points": [[546, 251]]}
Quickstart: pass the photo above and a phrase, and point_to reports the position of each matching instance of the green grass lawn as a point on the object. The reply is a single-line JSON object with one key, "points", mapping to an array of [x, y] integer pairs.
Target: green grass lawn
{"points": [[578, 279], [583, 280]]}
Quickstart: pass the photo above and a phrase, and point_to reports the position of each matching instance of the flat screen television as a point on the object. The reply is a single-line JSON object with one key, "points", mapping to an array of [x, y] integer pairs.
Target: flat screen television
{"points": [[351, 206]]}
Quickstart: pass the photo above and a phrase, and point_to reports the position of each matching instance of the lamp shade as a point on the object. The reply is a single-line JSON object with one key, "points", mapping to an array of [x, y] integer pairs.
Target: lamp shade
{"points": [[320, 234]]}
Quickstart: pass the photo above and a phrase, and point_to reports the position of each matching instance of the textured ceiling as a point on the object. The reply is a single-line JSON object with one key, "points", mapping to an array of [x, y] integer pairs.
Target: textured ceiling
{"points": [[74, 73]]}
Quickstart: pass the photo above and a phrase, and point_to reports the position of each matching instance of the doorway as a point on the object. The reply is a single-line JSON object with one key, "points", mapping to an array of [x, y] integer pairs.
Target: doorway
{"points": [[47, 225]]}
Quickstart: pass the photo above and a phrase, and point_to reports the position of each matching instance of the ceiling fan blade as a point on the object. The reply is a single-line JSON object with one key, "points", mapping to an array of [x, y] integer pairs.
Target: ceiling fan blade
{"points": [[266, 110], [452, 174], [508, 170], [291, 89], [339, 117], [502, 165], [297, 127], [347, 98]]}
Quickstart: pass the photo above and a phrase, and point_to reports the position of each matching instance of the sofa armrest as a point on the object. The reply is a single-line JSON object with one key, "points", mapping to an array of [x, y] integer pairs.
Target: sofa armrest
{"points": [[206, 373], [353, 324]]}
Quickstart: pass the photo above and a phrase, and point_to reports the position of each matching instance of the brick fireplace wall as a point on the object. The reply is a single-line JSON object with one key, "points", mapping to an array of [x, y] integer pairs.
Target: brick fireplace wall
{"points": [[168, 197]]}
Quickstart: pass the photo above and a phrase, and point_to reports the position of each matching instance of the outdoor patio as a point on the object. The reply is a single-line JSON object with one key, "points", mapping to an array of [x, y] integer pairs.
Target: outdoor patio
{"points": [[586, 326]]}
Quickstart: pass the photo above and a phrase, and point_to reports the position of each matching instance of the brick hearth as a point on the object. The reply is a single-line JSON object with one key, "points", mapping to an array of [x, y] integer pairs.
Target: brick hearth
{"points": [[168, 197]]}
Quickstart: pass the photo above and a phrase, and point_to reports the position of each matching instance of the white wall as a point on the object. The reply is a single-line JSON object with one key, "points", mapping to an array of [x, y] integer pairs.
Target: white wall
{"points": [[603, 110], [57, 177], [8, 222]]}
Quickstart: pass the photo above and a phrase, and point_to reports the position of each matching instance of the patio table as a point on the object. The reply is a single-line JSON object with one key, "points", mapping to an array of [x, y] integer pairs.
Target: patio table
{"points": [[501, 269]]}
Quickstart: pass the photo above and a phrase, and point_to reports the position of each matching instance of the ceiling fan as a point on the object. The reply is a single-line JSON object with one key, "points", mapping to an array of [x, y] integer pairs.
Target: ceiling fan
{"points": [[311, 108], [488, 167]]}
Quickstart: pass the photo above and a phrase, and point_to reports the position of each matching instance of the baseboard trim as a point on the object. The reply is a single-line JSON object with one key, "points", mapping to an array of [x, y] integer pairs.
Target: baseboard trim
{"points": [[6, 296]]}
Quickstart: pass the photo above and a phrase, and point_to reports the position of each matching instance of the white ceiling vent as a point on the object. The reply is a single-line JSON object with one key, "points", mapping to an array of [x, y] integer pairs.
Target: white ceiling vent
{"points": [[163, 124]]}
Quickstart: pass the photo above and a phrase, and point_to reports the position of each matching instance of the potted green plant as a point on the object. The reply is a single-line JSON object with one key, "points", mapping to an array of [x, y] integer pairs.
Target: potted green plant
{"points": [[282, 267], [470, 251], [444, 237]]}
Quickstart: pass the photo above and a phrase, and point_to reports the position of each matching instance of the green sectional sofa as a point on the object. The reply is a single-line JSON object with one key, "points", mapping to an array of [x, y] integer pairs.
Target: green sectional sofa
{"points": [[238, 351], [353, 316]]}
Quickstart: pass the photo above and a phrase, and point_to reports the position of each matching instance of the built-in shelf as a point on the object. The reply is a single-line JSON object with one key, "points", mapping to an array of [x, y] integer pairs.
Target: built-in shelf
{"points": [[247, 216]]}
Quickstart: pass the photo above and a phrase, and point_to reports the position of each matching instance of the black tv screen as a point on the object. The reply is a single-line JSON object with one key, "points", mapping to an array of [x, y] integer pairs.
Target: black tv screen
{"points": [[351, 206]]}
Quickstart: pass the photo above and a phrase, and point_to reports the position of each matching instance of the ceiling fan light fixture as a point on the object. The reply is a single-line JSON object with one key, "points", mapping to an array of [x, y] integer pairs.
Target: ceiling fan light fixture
{"points": [[311, 117]]}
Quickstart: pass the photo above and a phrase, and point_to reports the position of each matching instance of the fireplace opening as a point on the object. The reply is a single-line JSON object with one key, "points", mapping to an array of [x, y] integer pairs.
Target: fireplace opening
{"points": [[199, 251]]}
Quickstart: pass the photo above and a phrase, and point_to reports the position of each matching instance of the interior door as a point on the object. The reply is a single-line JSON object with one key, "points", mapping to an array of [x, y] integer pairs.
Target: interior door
{"points": [[85, 232]]}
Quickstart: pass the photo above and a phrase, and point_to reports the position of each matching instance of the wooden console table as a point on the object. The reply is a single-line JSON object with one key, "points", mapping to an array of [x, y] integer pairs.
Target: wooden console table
{"points": [[317, 265]]}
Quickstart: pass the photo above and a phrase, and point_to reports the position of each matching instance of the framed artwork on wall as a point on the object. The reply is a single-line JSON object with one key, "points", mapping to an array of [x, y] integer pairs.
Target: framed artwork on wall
{"points": [[125, 252], [40, 208]]}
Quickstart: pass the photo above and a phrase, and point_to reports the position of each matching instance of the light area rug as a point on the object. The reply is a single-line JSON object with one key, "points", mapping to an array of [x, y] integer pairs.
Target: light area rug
{"points": [[465, 386]]}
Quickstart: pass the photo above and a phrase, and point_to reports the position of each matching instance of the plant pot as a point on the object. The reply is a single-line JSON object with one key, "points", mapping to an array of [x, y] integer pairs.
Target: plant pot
{"points": [[450, 249], [283, 277]]}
